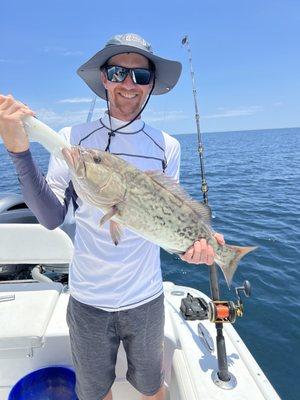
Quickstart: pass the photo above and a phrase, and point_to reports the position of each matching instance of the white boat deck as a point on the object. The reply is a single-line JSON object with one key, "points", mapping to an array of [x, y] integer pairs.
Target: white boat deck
{"points": [[34, 334]]}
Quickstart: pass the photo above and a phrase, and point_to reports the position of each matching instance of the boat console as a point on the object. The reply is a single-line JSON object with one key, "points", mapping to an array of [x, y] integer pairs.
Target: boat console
{"points": [[22, 235]]}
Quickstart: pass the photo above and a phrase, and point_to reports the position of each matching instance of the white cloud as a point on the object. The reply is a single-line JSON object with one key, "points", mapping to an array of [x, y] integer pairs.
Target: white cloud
{"points": [[11, 61], [238, 112], [53, 49], [155, 116], [62, 51], [72, 53], [76, 100], [278, 104], [59, 120]]}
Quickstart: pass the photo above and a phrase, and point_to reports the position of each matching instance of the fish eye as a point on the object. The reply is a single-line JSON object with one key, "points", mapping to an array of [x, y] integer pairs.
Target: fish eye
{"points": [[97, 159]]}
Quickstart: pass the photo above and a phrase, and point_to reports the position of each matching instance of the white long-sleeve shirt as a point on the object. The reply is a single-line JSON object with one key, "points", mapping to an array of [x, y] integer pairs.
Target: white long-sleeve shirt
{"points": [[101, 274]]}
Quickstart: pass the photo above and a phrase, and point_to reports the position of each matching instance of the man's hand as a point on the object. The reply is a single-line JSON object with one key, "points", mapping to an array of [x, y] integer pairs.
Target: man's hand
{"points": [[11, 125], [202, 252]]}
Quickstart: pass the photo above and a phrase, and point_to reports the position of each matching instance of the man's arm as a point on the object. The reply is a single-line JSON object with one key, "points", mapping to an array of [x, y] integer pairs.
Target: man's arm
{"points": [[39, 197], [37, 194]]}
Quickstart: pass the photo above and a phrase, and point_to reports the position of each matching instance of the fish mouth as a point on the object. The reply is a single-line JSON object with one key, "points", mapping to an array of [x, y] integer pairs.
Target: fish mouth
{"points": [[74, 159], [68, 155]]}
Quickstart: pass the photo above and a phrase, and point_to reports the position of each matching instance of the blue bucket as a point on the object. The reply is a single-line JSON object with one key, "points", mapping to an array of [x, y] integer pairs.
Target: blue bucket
{"points": [[51, 383]]}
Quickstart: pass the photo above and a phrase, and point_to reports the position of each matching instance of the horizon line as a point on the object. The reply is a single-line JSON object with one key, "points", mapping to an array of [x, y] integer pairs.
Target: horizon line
{"points": [[238, 130]]}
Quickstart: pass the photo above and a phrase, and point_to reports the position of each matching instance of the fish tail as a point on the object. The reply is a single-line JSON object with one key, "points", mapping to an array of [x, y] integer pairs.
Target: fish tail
{"points": [[229, 259]]}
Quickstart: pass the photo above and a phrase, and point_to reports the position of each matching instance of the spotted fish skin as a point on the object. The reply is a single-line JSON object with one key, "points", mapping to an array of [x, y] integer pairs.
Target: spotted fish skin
{"points": [[149, 203]]}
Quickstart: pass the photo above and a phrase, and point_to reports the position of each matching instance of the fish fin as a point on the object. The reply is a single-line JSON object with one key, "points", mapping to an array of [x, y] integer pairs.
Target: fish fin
{"points": [[115, 232], [229, 261], [108, 215], [173, 186]]}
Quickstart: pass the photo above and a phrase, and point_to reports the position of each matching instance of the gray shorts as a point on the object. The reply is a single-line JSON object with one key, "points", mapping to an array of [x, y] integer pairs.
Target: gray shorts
{"points": [[95, 337]]}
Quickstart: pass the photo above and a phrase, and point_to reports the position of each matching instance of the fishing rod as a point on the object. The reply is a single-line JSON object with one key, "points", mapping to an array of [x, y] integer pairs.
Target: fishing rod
{"points": [[204, 186], [222, 374], [90, 114]]}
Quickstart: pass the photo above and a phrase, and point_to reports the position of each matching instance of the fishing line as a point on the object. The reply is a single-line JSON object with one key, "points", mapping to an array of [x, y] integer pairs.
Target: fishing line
{"points": [[204, 186]]}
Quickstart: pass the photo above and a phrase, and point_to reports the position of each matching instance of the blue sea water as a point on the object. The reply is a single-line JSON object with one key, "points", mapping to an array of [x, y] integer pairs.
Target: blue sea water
{"points": [[254, 179]]}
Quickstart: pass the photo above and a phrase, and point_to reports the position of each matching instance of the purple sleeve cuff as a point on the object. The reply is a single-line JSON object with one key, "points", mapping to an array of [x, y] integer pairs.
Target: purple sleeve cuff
{"points": [[37, 193]]}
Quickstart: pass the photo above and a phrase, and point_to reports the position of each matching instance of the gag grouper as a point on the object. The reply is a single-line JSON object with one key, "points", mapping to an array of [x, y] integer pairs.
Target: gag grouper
{"points": [[148, 203]]}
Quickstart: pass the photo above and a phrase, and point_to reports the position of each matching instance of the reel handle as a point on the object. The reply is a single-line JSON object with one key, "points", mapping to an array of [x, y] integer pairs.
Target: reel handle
{"points": [[246, 289]]}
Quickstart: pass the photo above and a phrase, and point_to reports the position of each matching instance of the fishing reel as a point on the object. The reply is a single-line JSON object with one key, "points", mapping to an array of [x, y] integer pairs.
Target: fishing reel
{"points": [[217, 311]]}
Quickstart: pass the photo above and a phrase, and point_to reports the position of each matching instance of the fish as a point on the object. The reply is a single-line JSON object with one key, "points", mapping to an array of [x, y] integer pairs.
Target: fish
{"points": [[37, 131], [149, 203]]}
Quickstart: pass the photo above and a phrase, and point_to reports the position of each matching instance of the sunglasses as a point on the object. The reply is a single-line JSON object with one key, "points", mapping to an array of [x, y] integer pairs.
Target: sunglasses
{"points": [[139, 76]]}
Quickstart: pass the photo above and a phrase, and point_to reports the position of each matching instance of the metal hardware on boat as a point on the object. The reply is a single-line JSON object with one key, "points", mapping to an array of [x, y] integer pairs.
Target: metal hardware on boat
{"points": [[226, 385], [30, 353], [8, 297], [204, 335], [177, 293], [193, 308], [18, 282]]}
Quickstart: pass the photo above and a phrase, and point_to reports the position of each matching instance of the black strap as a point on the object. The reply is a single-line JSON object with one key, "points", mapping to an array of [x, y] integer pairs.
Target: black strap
{"points": [[164, 161], [89, 134], [112, 131], [110, 134]]}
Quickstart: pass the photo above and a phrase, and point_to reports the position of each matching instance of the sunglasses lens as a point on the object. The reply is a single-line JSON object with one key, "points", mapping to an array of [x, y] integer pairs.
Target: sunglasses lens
{"points": [[141, 76], [116, 74]]}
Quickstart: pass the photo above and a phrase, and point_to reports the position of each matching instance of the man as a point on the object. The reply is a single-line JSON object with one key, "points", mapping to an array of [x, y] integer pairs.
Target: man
{"points": [[116, 292]]}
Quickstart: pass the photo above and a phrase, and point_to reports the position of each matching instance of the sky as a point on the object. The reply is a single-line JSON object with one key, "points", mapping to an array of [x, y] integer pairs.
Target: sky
{"points": [[245, 57]]}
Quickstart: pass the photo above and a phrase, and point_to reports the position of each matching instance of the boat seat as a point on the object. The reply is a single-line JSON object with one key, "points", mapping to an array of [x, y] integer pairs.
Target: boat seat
{"points": [[34, 244], [31, 305]]}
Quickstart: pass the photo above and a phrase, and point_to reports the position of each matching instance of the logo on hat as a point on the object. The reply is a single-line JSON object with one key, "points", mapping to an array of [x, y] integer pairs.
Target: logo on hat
{"points": [[131, 37]]}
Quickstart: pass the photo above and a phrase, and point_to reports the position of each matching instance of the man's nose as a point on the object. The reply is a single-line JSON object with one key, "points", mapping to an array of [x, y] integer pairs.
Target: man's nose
{"points": [[128, 82]]}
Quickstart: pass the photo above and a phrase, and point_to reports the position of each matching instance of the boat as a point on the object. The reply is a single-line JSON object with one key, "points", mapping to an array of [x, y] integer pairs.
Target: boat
{"points": [[34, 334]]}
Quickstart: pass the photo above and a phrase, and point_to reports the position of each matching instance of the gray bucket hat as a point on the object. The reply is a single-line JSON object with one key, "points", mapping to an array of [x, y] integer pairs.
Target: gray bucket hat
{"points": [[167, 72]]}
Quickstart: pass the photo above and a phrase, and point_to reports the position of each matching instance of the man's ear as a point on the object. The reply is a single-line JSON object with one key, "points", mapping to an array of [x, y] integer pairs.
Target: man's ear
{"points": [[103, 78]]}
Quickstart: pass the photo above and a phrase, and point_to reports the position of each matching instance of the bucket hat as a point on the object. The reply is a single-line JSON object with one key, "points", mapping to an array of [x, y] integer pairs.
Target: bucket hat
{"points": [[167, 72]]}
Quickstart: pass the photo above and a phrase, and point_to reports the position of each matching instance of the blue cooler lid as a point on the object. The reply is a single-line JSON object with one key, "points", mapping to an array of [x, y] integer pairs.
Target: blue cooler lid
{"points": [[51, 383]]}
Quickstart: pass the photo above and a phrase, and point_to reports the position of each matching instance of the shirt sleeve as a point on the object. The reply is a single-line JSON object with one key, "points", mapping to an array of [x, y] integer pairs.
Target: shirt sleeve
{"points": [[172, 152], [58, 175], [47, 198]]}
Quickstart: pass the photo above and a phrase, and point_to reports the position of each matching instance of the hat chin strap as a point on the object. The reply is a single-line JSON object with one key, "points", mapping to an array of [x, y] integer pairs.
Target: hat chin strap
{"points": [[112, 131]]}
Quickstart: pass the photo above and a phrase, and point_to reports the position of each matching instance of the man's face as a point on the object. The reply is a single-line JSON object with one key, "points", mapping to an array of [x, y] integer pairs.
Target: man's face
{"points": [[126, 98]]}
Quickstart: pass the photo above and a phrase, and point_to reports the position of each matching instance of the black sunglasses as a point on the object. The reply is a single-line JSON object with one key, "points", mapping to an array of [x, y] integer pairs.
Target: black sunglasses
{"points": [[116, 73]]}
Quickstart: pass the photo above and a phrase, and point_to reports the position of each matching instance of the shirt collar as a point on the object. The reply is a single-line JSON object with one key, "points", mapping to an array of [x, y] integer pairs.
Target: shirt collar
{"points": [[135, 126]]}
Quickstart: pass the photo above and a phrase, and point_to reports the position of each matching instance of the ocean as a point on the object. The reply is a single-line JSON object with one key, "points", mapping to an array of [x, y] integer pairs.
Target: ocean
{"points": [[253, 179]]}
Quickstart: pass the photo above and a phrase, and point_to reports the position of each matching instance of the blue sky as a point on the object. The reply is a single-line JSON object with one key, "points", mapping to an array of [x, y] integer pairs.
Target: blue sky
{"points": [[245, 56]]}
